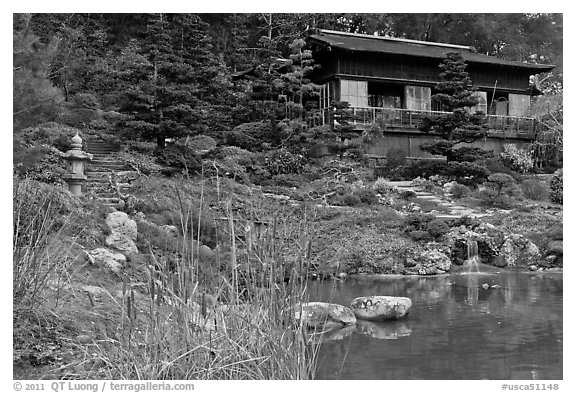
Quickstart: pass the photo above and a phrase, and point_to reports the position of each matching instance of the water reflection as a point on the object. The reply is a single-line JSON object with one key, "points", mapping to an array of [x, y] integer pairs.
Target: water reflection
{"points": [[469, 326]]}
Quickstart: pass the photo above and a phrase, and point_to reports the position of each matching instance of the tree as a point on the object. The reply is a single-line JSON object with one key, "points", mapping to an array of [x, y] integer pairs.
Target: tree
{"points": [[35, 98], [172, 80], [455, 94]]}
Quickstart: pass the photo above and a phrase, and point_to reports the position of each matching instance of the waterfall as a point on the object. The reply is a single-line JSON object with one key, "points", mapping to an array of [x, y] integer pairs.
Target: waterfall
{"points": [[471, 264]]}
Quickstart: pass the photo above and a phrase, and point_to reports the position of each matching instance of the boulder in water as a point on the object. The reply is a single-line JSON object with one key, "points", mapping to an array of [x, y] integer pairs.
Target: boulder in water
{"points": [[380, 308], [325, 315]]}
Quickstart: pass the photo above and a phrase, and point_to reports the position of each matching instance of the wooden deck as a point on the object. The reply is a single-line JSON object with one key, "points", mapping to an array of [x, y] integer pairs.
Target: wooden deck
{"points": [[406, 119]]}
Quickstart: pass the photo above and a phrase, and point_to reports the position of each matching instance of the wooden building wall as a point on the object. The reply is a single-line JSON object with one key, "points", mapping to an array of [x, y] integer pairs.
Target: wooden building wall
{"points": [[408, 68], [411, 142]]}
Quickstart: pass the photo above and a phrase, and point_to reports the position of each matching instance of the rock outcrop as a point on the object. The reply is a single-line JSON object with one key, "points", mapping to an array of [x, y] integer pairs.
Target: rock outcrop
{"points": [[321, 315], [517, 251], [107, 259], [380, 308], [124, 232]]}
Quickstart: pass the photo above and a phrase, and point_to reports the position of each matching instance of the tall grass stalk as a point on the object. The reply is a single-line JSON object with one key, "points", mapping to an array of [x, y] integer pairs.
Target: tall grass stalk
{"points": [[205, 320], [40, 257]]}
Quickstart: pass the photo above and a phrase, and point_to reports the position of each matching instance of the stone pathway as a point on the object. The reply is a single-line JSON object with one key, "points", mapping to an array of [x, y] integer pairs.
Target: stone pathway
{"points": [[456, 211], [98, 170]]}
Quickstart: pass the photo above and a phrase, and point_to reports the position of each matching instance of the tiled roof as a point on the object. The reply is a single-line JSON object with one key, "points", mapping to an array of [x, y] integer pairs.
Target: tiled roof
{"points": [[374, 44]]}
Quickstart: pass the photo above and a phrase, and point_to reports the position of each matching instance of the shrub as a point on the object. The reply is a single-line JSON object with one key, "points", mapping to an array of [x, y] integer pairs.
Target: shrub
{"points": [[517, 159], [468, 153], [351, 200], [250, 136], [202, 142], [498, 190], [407, 194], [534, 189], [556, 187], [459, 191], [437, 228], [425, 168], [467, 173], [179, 157], [418, 221], [395, 158], [367, 196], [419, 235], [382, 186], [282, 161]]}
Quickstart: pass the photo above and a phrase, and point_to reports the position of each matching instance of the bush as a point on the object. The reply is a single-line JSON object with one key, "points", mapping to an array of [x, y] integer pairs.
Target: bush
{"points": [[250, 136], [201, 143], [367, 196], [418, 221], [498, 190], [420, 235], [557, 188], [351, 200], [459, 191], [282, 161], [425, 168], [517, 159], [407, 194], [534, 189], [467, 173], [437, 228], [395, 158], [469, 154], [179, 157], [382, 186]]}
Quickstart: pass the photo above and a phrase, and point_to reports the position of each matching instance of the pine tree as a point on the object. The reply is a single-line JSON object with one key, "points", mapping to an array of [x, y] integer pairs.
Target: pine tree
{"points": [[35, 98], [455, 94]]}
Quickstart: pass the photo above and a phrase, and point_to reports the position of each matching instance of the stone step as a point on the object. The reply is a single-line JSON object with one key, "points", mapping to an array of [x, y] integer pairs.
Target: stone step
{"points": [[109, 200]]}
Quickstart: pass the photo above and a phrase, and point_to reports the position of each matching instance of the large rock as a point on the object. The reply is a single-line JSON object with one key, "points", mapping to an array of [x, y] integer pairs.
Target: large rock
{"points": [[107, 259], [517, 251], [325, 315], [380, 308], [124, 232]]}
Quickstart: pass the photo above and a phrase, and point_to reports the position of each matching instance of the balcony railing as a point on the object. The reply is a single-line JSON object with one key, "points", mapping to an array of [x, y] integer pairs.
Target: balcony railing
{"points": [[412, 119]]}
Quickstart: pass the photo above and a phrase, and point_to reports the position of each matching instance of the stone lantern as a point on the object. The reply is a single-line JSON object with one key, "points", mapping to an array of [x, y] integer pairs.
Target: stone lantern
{"points": [[76, 157]]}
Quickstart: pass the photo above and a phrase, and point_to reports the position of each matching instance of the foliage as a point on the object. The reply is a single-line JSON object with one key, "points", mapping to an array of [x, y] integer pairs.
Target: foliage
{"points": [[281, 161], [395, 157], [548, 145], [179, 157], [417, 221], [468, 153], [40, 254], [557, 187], [517, 159], [459, 191], [34, 98], [383, 186], [499, 190], [467, 173], [455, 94], [437, 228], [419, 235], [351, 200], [250, 136], [201, 143], [366, 195], [534, 189]]}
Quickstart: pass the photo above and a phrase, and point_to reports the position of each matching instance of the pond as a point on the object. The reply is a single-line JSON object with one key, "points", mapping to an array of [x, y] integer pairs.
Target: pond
{"points": [[461, 326]]}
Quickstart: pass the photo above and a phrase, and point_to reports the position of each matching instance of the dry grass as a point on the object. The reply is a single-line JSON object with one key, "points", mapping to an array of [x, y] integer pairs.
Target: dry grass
{"points": [[180, 319]]}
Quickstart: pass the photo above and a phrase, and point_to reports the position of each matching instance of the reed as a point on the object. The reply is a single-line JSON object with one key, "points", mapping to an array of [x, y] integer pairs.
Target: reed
{"points": [[229, 318]]}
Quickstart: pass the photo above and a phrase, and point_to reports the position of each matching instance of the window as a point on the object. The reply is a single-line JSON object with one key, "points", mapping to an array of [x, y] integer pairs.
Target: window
{"points": [[354, 92]]}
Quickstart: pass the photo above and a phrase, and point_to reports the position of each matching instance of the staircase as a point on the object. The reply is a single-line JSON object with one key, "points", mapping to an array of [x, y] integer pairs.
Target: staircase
{"points": [[456, 211], [97, 171]]}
